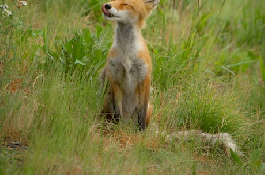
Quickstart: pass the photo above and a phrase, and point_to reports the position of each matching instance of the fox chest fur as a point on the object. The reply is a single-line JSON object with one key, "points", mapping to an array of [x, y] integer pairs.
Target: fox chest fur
{"points": [[124, 65]]}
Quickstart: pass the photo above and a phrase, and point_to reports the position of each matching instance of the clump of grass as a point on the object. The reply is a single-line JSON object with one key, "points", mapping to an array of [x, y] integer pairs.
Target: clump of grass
{"points": [[209, 111], [200, 106]]}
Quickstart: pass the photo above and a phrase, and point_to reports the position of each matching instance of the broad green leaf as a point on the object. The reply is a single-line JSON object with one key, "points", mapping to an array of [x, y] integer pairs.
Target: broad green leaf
{"points": [[54, 54], [105, 37], [99, 29], [87, 40], [78, 48], [68, 47], [97, 55]]}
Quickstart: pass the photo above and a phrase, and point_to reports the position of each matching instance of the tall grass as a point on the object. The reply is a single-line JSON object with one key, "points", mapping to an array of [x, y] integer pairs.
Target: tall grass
{"points": [[208, 74]]}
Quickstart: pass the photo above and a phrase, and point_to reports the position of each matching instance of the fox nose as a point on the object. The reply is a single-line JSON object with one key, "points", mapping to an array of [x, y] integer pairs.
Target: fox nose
{"points": [[107, 6]]}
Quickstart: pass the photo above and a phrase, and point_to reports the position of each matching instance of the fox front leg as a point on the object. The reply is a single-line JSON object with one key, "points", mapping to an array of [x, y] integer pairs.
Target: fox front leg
{"points": [[144, 92]]}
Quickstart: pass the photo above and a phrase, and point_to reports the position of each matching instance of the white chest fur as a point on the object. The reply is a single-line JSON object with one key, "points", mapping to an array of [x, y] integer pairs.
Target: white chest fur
{"points": [[127, 71], [125, 67]]}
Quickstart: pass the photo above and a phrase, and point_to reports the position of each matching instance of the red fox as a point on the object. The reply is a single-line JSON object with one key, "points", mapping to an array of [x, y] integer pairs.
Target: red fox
{"points": [[128, 68]]}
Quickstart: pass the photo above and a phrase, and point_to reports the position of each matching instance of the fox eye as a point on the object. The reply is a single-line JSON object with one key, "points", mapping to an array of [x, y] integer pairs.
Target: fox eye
{"points": [[127, 5]]}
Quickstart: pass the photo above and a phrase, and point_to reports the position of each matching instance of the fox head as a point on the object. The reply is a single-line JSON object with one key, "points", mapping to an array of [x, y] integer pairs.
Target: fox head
{"points": [[129, 11]]}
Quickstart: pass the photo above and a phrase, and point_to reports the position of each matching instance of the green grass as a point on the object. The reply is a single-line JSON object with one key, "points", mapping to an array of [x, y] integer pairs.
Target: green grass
{"points": [[208, 74]]}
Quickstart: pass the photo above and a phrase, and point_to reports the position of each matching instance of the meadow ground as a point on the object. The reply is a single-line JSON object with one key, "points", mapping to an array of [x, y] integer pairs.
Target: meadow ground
{"points": [[208, 74]]}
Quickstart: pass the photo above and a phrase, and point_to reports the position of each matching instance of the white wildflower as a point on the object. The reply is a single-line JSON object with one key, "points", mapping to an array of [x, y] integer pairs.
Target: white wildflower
{"points": [[7, 12], [4, 6], [23, 2]]}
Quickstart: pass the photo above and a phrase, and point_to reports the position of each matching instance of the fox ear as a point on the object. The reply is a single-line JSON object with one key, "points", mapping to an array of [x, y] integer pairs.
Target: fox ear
{"points": [[152, 4]]}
